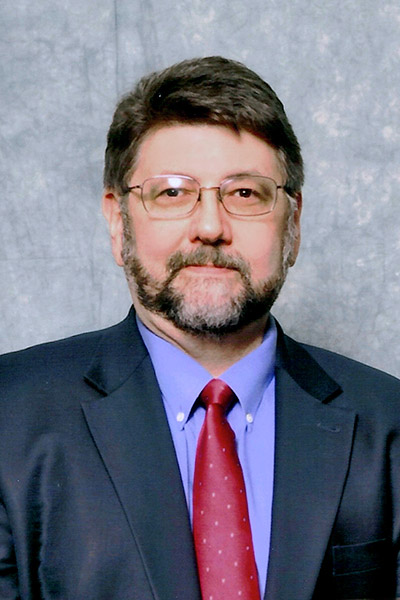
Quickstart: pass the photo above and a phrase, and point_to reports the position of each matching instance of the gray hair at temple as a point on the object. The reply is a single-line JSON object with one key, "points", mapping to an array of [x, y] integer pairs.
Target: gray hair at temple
{"points": [[212, 91]]}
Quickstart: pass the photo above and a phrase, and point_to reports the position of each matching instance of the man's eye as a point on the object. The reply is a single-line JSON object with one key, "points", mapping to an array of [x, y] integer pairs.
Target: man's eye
{"points": [[244, 192], [171, 192]]}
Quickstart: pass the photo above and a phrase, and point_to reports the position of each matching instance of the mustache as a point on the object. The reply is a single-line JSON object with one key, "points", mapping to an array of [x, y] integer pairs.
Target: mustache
{"points": [[206, 256]]}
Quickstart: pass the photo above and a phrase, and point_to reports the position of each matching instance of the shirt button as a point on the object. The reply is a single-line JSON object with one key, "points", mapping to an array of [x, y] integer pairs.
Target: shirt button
{"points": [[249, 418], [180, 416]]}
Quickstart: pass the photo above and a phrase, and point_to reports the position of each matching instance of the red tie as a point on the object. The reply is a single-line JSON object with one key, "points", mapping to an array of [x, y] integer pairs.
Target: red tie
{"points": [[221, 527]]}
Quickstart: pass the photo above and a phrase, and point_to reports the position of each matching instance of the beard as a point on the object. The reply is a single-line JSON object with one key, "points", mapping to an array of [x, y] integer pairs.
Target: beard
{"points": [[204, 307]]}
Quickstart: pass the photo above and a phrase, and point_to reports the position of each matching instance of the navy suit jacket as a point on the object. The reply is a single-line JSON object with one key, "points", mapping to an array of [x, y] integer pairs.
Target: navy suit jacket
{"points": [[91, 502]]}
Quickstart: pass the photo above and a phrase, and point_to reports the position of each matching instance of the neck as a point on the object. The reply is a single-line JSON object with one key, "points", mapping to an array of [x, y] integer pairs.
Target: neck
{"points": [[216, 355]]}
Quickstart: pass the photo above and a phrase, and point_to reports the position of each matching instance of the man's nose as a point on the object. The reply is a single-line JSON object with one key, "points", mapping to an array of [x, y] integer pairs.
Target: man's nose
{"points": [[210, 222]]}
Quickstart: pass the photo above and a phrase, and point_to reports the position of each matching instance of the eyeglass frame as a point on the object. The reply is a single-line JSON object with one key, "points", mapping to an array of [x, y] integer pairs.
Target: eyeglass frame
{"points": [[128, 190]]}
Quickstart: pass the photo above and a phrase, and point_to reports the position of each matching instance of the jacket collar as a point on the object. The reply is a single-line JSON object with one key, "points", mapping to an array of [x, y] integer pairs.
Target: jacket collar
{"points": [[301, 366], [119, 353], [121, 350]]}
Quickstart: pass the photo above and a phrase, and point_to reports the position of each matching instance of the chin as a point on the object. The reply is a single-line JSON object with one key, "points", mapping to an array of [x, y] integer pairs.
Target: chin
{"points": [[213, 315], [211, 292]]}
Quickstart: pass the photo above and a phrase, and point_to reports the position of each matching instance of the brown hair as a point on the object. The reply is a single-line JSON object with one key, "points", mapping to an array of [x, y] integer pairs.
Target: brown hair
{"points": [[211, 90]]}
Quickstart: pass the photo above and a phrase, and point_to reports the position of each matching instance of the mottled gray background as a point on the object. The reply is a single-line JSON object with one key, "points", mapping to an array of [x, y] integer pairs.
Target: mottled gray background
{"points": [[334, 63]]}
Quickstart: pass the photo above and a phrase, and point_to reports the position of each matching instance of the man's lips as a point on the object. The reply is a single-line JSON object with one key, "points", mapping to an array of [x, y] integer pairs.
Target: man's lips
{"points": [[209, 269]]}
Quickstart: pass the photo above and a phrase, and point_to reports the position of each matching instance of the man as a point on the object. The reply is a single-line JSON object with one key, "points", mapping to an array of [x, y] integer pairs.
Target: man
{"points": [[105, 443]]}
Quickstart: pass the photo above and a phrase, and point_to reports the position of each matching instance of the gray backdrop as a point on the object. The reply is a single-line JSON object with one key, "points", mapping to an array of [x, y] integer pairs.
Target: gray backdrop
{"points": [[335, 65]]}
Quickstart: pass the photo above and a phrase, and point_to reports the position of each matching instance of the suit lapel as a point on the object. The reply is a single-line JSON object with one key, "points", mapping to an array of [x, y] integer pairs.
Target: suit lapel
{"points": [[312, 453], [132, 435]]}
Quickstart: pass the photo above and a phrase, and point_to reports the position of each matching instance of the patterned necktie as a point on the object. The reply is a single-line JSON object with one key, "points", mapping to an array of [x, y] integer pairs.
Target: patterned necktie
{"points": [[221, 527]]}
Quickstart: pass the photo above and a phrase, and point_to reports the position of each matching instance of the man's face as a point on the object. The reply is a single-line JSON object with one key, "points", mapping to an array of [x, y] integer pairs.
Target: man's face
{"points": [[208, 272]]}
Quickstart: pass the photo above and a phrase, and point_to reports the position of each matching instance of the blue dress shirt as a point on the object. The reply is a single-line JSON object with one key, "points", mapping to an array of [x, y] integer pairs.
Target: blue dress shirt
{"points": [[252, 378]]}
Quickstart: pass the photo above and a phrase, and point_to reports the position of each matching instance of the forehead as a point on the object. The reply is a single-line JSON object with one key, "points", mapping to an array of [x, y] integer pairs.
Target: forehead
{"points": [[204, 152]]}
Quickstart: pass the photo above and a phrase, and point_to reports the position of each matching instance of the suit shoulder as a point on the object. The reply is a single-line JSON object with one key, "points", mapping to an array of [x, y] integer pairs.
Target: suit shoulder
{"points": [[58, 360], [344, 369], [71, 348], [372, 393]]}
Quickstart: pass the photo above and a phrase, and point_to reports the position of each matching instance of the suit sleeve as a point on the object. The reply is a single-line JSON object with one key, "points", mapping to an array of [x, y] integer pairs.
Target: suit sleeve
{"points": [[8, 567]]}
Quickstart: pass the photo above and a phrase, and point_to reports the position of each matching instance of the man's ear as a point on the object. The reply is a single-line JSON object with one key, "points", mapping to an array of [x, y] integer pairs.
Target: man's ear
{"points": [[112, 213], [296, 218]]}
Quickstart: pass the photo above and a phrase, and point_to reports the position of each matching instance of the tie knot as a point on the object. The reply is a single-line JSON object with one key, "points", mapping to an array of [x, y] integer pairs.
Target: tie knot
{"points": [[217, 392]]}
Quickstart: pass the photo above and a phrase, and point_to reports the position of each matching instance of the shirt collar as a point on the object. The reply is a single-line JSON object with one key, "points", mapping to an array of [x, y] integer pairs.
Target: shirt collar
{"points": [[181, 378], [251, 375]]}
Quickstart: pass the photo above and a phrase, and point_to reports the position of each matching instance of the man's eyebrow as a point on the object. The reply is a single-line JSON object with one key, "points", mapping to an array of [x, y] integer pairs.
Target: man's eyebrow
{"points": [[235, 174], [246, 173]]}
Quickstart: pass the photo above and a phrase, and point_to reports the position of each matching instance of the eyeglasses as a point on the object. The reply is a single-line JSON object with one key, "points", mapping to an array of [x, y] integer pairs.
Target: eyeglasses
{"points": [[173, 196]]}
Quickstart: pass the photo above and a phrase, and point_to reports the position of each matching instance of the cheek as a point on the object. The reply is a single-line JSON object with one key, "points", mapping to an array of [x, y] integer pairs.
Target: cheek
{"points": [[155, 242], [262, 248]]}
